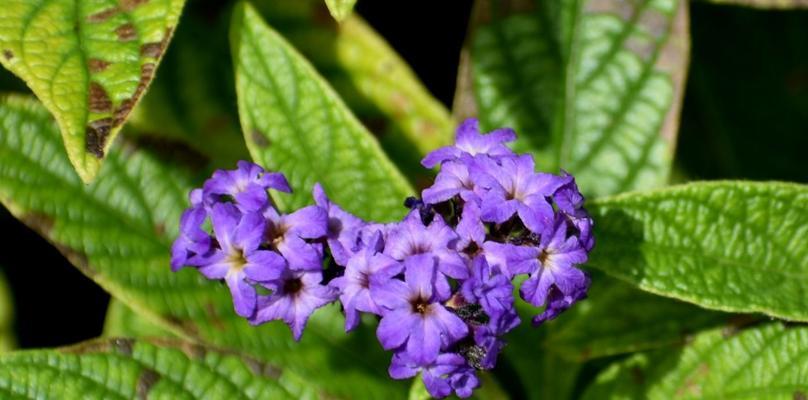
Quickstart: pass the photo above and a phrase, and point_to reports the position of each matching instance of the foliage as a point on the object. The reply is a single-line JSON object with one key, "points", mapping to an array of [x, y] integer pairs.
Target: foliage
{"points": [[698, 288]]}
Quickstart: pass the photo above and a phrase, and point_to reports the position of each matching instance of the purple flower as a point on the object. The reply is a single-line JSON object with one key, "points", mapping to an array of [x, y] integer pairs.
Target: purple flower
{"points": [[570, 202], [286, 233], [238, 260], [493, 290], [193, 242], [557, 302], [453, 179], [296, 294], [414, 319], [514, 188], [343, 228], [247, 185], [410, 238], [470, 141], [487, 346], [511, 259], [354, 286], [556, 257], [449, 372], [470, 229]]}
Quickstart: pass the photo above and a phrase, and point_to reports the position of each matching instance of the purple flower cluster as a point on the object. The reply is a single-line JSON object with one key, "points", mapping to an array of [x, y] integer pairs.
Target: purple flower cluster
{"points": [[441, 281]]}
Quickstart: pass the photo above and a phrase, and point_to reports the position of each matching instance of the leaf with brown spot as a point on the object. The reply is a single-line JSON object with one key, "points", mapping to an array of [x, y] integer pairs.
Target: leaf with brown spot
{"points": [[147, 369], [126, 32], [766, 361], [99, 100], [93, 67]]}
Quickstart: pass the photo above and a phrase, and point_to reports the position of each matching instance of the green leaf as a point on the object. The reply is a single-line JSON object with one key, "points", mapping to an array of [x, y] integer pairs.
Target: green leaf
{"points": [[732, 246], [121, 321], [591, 86], [766, 362], [128, 369], [88, 62], [340, 9], [295, 123], [118, 231], [616, 319], [765, 4]]}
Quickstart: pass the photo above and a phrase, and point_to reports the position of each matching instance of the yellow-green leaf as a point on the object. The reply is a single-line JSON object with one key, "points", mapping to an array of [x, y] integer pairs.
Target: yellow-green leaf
{"points": [[727, 245], [89, 62], [340, 9]]}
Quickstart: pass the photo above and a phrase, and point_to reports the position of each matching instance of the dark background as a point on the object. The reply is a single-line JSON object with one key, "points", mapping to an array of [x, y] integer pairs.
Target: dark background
{"points": [[745, 116]]}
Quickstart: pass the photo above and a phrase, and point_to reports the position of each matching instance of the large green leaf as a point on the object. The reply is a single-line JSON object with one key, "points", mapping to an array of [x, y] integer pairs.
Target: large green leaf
{"points": [[121, 321], [128, 369], [118, 231], [617, 318], [340, 9], [88, 62], [767, 362], [733, 246], [294, 122], [591, 86]]}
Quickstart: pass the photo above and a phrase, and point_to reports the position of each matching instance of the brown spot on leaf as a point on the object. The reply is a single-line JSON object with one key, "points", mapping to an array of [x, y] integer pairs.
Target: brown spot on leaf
{"points": [[643, 48], [799, 395], [42, 223], [625, 10], [123, 111], [103, 15], [129, 5], [160, 229], [145, 382], [260, 368], [146, 74], [126, 32], [259, 138], [153, 49], [8, 54], [98, 99], [655, 22], [214, 317], [96, 136], [123, 345], [95, 65]]}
